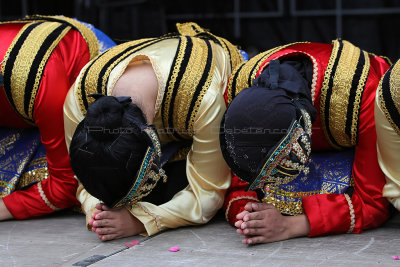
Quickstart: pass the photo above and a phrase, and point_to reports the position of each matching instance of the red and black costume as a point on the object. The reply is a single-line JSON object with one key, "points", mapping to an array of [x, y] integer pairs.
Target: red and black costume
{"points": [[343, 87], [42, 56]]}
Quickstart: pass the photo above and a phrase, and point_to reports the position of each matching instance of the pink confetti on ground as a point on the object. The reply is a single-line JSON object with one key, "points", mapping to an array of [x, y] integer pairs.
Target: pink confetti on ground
{"points": [[131, 244], [174, 249], [396, 258]]}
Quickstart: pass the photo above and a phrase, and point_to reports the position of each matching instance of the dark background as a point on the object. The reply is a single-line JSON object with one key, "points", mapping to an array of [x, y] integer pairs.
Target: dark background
{"points": [[255, 25]]}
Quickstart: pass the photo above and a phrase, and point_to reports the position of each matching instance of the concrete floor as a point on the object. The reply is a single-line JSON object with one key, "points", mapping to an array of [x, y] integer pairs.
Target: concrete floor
{"points": [[62, 240]]}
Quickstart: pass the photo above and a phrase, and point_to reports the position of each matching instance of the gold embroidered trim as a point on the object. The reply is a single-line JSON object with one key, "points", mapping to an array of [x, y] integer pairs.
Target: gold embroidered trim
{"points": [[86, 33], [244, 74], [22, 65], [292, 208], [194, 30], [235, 199], [155, 217], [171, 84], [8, 187], [352, 216], [357, 100], [194, 72], [394, 89], [89, 76], [36, 175], [339, 103], [42, 194]]}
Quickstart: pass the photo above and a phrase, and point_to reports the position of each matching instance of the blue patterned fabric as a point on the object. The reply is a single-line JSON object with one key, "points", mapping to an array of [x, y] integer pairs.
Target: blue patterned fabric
{"points": [[105, 42], [330, 173], [22, 159], [244, 54]]}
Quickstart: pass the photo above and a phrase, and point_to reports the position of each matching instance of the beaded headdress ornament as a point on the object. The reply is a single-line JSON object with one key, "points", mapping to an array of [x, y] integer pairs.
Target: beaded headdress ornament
{"points": [[289, 157], [149, 173]]}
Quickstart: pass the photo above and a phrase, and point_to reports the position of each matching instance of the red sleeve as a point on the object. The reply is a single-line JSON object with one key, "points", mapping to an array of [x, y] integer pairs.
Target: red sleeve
{"points": [[331, 213], [58, 191], [236, 198]]}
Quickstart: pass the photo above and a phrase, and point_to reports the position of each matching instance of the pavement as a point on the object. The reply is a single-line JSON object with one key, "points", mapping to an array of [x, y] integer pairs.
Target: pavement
{"points": [[62, 240]]}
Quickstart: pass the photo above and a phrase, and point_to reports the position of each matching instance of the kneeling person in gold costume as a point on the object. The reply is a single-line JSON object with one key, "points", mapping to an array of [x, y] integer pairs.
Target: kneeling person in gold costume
{"points": [[146, 145]]}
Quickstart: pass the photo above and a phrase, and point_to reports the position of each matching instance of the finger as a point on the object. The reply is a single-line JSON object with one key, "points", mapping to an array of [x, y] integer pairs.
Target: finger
{"points": [[254, 224], [248, 207], [103, 223], [238, 223], [261, 206], [252, 231], [240, 231], [95, 212], [109, 237], [104, 207], [104, 215], [105, 231], [98, 206], [240, 215], [255, 240], [90, 221], [254, 216]]}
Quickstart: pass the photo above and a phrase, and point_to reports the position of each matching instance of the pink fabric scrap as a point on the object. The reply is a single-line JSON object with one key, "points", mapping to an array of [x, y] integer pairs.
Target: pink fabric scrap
{"points": [[174, 249], [131, 244], [396, 258]]}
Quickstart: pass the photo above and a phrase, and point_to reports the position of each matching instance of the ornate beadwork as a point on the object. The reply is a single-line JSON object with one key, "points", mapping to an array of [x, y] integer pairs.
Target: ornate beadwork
{"points": [[279, 167], [149, 173]]}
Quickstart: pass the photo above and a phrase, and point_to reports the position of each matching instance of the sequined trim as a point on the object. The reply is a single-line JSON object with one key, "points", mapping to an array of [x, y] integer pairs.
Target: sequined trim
{"points": [[43, 195], [269, 172], [341, 93], [243, 75], [235, 199], [389, 96], [352, 216], [38, 173]]}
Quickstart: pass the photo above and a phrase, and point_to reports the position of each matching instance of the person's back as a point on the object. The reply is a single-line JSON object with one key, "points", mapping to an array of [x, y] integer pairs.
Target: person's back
{"points": [[42, 56]]}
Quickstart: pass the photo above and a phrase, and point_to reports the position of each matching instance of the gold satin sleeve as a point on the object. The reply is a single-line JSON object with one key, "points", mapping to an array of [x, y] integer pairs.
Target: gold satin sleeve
{"points": [[72, 117], [388, 146], [207, 173]]}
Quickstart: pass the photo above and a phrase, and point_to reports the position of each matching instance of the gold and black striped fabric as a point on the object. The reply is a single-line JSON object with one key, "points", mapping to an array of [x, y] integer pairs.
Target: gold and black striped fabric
{"points": [[194, 30], [94, 76], [190, 76], [341, 93], [27, 56], [243, 75], [389, 96], [189, 79]]}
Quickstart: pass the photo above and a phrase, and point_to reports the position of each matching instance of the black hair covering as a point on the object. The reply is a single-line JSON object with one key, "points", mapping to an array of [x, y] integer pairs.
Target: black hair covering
{"points": [[259, 116], [108, 147]]}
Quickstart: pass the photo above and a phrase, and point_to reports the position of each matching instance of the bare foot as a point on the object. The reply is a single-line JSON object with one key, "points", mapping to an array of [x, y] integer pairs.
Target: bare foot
{"points": [[115, 223]]}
